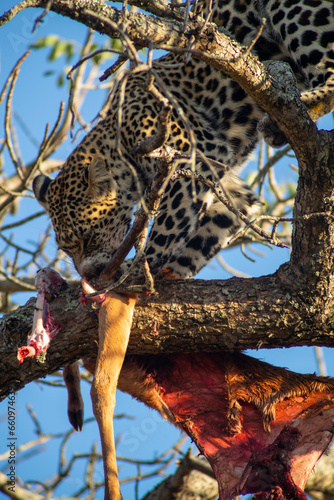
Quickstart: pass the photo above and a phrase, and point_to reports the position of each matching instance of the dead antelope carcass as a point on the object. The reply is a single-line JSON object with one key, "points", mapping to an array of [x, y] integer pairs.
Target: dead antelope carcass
{"points": [[262, 428]]}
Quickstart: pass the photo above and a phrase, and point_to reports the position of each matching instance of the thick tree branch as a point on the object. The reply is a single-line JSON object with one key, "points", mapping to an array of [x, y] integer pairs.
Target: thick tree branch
{"points": [[292, 307], [192, 315], [193, 479], [194, 476], [140, 27]]}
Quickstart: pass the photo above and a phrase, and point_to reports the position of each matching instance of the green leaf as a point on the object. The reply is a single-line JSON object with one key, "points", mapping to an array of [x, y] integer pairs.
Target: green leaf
{"points": [[58, 50], [60, 81], [116, 44], [45, 42], [69, 51]]}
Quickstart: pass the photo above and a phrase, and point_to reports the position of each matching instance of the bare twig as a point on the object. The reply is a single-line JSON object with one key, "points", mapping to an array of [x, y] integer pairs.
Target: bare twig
{"points": [[23, 285], [115, 67], [22, 221], [255, 39], [119, 120], [39, 19], [271, 161], [217, 189], [13, 154], [75, 82], [11, 75], [129, 46]]}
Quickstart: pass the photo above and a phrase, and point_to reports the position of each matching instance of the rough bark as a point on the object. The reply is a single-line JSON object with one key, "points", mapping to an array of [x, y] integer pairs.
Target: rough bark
{"points": [[276, 94], [193, 480]]}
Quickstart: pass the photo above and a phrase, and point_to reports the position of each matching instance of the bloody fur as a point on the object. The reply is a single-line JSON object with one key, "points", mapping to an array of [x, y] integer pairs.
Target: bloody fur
{"points": [[262, 428]]}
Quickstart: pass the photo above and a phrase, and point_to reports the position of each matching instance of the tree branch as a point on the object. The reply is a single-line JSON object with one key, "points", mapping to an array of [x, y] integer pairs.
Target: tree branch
{"points": [[273, 88], [320, 484], [189, 315]]}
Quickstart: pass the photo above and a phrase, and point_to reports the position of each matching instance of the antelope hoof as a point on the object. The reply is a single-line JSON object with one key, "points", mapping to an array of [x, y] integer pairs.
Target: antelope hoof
{"points": [[76, 419]]}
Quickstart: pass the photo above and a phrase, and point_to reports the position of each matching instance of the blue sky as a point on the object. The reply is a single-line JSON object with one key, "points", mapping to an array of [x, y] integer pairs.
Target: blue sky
{"points": [[36, 99]]}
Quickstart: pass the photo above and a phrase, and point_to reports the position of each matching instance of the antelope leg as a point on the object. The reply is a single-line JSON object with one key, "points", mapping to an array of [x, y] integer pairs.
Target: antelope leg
{"points": [[115, 318], [75, 405]]}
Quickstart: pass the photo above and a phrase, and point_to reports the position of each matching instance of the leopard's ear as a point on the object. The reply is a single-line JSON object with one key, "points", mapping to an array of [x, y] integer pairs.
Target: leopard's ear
{"points": [[100, 181], [40, 186]]}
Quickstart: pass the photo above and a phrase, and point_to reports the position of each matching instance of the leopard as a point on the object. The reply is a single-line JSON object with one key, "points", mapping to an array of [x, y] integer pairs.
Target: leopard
{"points": [[92, 200]]}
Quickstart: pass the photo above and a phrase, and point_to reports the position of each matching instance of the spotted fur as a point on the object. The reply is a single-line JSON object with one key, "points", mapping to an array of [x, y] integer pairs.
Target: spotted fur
{"points": [[92, 199]]}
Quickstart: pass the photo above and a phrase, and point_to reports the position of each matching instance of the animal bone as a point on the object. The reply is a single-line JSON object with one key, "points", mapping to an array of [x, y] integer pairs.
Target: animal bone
{"points": [[47, 282]]}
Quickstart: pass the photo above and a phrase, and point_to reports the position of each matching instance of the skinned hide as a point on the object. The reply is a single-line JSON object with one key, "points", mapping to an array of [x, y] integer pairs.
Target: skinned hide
{"points": [[262, 428]]}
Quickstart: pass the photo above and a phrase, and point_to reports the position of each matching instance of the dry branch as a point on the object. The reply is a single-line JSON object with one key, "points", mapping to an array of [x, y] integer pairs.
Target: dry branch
{"points": [[218, 189]]}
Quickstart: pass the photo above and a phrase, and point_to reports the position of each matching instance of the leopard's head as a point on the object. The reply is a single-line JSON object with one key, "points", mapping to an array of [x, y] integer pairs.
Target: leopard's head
{"points": [[90, 205]]}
